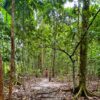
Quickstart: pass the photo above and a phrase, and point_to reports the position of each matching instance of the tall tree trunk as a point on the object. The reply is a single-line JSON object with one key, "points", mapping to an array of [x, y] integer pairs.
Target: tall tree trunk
{"points": [[84, 45], [42, 58], [83, 51], [54, 52], [39, 61], [1, 80], [1, 73], [53, 61], [12, 62]]}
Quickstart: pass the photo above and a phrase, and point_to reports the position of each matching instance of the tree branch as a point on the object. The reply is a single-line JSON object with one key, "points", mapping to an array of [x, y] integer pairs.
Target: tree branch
{"points": [[66, 52], [85, 33]]}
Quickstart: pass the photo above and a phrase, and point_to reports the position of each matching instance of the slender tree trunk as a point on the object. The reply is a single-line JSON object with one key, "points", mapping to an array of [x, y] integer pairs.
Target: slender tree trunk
{"points": [[39, 61], [12, 62], [81, 89], [84, 45], [53, 62], [73, 66], [54, 53], [1, 80], [42, 56]]}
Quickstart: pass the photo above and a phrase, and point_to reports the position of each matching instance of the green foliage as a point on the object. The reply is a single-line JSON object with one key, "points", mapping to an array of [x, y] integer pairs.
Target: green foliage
{"points": [[62, 71], [37, 72], [41, 23]]}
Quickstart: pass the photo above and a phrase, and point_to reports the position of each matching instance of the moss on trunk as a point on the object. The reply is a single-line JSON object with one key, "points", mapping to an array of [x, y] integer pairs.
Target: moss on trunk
{"points": [[81, 89]]}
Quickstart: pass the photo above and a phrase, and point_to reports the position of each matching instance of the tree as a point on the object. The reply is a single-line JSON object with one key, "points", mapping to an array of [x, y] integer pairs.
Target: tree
{"points": [[41, 23], [1, 80], [83, 51], [1, 69], [84, 45], [12, 62]]}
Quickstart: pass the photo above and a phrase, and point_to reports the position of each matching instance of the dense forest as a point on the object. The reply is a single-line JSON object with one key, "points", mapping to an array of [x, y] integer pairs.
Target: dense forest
{"points": [[49, 49]]}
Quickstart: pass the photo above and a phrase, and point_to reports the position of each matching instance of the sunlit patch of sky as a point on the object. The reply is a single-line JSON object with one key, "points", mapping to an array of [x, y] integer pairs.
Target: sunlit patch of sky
{"points": [[70, 4]]}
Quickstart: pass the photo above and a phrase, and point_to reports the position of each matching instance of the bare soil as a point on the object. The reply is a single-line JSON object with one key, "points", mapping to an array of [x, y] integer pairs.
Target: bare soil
{"points": [[42, 89]]}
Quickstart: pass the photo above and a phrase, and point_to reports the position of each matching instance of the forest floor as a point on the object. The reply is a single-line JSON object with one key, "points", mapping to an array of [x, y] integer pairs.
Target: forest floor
{"points": [[42, 89]]}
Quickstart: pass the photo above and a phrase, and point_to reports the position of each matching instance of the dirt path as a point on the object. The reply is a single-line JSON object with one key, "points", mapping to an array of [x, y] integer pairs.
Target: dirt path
{"points": [[40, 90], [44, 83]]}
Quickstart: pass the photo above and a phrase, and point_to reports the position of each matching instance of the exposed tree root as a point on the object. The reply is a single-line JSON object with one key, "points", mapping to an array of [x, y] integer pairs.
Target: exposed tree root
{"points": [[81, 91]]}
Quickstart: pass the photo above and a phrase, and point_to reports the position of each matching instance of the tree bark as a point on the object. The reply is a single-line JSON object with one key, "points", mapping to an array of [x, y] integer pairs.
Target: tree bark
{"points": [[1, 80], [12, 62], [81, 89], [84, 45], [54, 52], [53, 62]]}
